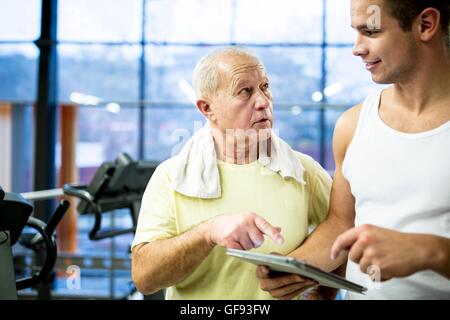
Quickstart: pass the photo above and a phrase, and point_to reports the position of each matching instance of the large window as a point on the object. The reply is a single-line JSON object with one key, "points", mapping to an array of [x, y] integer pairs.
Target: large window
{"points": [[128, 65], [143, 53], [18, 55], [19, 20], [140, 54], [18, 89]]}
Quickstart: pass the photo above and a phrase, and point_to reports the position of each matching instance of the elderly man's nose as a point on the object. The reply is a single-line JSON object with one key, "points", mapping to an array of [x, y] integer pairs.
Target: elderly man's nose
{"points": [[262, 101]]}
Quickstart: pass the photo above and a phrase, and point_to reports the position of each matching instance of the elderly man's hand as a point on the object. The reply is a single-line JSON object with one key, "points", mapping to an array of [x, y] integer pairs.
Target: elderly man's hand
{"points": [[242, 231], [283, 286]]}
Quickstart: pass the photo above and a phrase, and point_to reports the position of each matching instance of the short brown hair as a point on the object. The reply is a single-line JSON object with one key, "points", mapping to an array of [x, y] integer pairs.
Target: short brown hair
{"points": [[405, 11]]}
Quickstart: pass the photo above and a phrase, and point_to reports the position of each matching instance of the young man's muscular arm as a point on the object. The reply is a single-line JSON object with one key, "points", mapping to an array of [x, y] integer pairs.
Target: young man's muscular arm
{"points": [[316, 249]]}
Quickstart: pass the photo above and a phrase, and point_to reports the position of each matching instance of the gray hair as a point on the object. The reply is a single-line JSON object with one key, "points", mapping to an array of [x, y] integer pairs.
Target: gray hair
{"points": [[206, 78]]}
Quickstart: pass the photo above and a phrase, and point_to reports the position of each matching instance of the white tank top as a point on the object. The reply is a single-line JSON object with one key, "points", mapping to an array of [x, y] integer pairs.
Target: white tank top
{"points": [[400, 181]]}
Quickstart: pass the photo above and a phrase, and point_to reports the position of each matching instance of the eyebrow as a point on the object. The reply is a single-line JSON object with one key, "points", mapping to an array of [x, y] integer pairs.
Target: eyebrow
{"points": [[243, 82], [235, 85], [360, 27], [363, 27]]}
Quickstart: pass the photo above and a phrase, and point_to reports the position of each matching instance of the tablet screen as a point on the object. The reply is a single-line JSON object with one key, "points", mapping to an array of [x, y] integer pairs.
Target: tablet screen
{"points": [[292, 265]]}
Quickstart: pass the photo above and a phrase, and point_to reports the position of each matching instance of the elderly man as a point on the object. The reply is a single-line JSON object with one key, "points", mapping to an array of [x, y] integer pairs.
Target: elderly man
{"points": [[230, 185]]}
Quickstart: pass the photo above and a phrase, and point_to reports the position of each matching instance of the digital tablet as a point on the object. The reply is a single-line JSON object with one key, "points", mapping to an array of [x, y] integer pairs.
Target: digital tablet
{"points": [[292, 265]]}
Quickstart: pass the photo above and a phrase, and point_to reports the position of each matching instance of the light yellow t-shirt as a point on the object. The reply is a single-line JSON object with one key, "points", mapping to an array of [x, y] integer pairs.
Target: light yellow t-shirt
{"points": [[286, 203]]}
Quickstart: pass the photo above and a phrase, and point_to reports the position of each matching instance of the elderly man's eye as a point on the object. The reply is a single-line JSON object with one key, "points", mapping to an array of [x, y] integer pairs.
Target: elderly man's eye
{"points": [[265, 86], [245, 91]]}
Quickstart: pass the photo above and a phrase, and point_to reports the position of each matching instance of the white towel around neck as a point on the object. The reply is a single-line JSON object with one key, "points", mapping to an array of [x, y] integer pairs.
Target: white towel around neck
{"points": [[195, 172]]}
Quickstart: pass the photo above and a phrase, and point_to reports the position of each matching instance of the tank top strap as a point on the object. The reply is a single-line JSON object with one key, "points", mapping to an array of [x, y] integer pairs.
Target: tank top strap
{"points": [[367, 116]]}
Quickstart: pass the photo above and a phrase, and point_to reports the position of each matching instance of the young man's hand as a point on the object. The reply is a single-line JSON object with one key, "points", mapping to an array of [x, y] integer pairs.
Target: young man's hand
{"points": [[385, 254]]}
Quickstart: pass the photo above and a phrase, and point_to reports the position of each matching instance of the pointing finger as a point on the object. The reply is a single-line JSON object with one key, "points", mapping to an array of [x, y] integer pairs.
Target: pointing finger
{"points": [[266, 228], [344, 242]]}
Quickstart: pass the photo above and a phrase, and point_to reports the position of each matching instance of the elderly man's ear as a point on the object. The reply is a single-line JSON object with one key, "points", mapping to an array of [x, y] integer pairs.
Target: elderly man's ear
{"points": [[206, 110]]}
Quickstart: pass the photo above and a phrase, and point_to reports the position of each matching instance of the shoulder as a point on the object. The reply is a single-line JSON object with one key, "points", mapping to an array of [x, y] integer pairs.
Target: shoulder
{"points": [[163, 171], [160, 183], [308, 162], [345, 128], [346, 123], [165, 166], [313, 169]]}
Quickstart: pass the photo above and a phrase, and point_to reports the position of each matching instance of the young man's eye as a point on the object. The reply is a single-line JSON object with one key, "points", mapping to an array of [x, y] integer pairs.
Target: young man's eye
{"points": [[371, 32]]}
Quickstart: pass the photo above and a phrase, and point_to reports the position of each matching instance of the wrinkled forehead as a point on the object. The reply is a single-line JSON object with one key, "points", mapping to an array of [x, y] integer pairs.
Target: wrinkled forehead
{"points": [[233, 68]]}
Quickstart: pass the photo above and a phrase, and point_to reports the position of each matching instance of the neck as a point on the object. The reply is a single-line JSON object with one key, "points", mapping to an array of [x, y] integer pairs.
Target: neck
{"points": [[235, 149], [427, 86]]}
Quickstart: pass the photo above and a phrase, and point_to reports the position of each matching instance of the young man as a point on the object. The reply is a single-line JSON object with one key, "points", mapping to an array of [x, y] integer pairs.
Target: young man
{"points": [[391, 190]]}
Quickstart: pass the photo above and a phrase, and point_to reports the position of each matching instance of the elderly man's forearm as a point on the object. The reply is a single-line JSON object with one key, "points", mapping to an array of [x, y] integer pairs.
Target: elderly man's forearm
{"points": [[163, 263]]}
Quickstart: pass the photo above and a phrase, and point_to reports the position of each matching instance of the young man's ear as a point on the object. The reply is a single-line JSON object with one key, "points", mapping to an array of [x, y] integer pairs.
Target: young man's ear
{"points": [[428, 23], [205, 109]]}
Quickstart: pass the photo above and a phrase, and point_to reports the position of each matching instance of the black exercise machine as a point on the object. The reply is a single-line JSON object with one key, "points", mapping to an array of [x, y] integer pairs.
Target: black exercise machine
{"points": [[115, 185], [15, 214]]}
